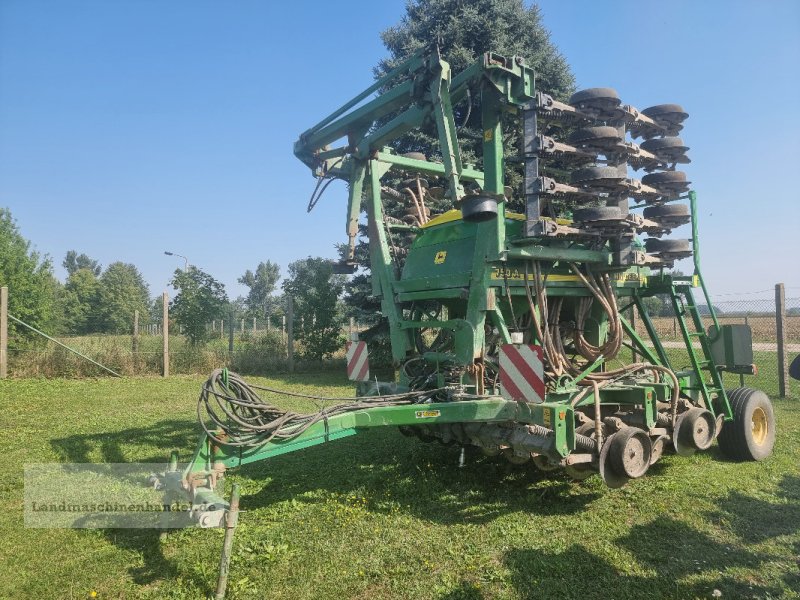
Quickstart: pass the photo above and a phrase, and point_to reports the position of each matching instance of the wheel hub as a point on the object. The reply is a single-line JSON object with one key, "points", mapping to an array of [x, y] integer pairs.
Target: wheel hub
{"points": [[760, 425]]}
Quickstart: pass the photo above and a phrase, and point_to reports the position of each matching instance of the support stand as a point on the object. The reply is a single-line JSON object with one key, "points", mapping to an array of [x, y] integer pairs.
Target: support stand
{"points": [[231, 520]]}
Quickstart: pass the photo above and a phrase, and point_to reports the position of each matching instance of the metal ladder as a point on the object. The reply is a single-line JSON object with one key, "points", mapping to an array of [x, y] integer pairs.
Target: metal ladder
{"points": [[683, 303]]}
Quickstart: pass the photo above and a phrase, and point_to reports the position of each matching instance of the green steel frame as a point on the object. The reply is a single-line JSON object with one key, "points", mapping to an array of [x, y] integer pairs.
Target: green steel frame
{"points": [[483, 276]]}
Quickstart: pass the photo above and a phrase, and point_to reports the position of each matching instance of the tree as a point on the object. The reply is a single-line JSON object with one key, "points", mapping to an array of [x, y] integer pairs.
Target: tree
{"points": [[80, 301], [122, 291], [315, 291], [464, 31], [29, 277], [666, 300], [654, 305], [262, 284], [156, 309], [74, 262], [200, 300]]}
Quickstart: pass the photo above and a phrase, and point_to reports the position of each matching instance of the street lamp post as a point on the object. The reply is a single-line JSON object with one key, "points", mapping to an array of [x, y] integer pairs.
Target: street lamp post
{"points": [[185, 260]]}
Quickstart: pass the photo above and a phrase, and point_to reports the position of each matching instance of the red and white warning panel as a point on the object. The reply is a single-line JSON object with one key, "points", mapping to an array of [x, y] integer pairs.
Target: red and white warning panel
{"points": [[522, 372], [357, 361]]}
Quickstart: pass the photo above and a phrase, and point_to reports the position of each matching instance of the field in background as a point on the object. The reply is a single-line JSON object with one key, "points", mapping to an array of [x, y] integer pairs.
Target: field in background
{"points": [[383, 516], [763, 327]]}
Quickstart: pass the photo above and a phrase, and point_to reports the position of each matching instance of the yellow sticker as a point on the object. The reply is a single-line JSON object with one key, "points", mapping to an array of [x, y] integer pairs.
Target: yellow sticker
{"points": [[516, 274], [426, 414], [627, 277], [440, 257], [488, 134], [547, 419]]}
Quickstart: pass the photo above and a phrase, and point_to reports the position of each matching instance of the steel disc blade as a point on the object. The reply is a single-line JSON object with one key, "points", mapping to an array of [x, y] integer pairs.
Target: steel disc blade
{"points": [[611, 478]]}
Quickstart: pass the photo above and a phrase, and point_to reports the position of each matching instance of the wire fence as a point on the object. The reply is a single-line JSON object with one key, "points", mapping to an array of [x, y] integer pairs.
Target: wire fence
{"points": [[246, 344], [758, 314], [762, 316], [262, 345]]}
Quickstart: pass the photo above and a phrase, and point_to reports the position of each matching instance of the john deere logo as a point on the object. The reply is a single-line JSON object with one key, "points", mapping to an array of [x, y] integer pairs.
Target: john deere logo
{"points": [[440, 257]]}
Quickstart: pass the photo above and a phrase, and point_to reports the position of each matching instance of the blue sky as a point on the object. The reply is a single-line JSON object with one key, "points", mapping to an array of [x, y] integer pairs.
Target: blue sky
{"points": [[132, 127]]}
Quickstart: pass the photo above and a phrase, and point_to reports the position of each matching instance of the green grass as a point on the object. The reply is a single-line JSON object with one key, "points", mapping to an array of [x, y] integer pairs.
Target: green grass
{"points": [[381, 516]]}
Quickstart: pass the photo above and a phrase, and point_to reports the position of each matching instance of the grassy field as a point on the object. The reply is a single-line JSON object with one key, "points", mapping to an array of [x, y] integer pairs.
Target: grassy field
{"points": [[382, 516]]}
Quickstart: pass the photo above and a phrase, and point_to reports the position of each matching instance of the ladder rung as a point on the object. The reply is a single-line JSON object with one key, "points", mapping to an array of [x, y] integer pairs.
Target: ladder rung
{"points": [[696, 334]]}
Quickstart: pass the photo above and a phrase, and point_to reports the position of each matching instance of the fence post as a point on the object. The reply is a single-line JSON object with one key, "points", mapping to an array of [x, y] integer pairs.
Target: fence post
{"points": [[290, 333], [352, 328], [230, 335], [222, 329], [254, 324], [3, 332], [135, 341], [780, 321], [165, 332]]}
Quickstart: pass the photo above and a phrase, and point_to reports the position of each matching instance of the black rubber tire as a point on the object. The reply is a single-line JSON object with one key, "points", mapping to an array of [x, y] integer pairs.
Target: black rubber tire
{"points": [[666, 210], [594, 94], [595, 173], [664, 109], [591, 134], [597, 213], [654, 179], [657, 245], [737, 439], [794, 368], [656, 144]]}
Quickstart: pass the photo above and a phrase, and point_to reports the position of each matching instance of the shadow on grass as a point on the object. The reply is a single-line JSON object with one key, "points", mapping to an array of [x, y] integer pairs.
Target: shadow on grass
{"points": [[390, 469], [153, 444], [465, 591], [393, 471], [671, 549], [675, 552], [156, 440], [755, 520], [424, 479]]}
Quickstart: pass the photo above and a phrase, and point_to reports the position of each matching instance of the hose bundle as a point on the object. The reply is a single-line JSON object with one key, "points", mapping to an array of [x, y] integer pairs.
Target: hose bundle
{"points": [[546, 323], [232, 413]]}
